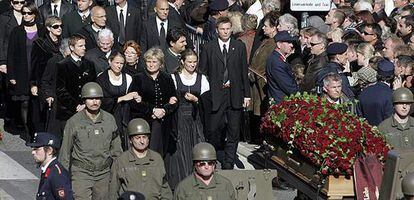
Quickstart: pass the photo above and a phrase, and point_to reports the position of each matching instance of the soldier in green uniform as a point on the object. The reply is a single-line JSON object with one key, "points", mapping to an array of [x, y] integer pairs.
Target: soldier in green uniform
{"points": [[399, 128], [139, 169], [204, 183], [89, 146]]}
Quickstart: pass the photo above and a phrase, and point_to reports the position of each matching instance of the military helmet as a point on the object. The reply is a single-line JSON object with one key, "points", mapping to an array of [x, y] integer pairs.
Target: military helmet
{"points": [[204, 151], [407, 184], [91, 90], [402, 95], [138, 126]]}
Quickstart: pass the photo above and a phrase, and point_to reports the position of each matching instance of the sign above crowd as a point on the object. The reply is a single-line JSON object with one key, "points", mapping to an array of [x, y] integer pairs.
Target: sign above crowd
{"points": [[310, 5]]}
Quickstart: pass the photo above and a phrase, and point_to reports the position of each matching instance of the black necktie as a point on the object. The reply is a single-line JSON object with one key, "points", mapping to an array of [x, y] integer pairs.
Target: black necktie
{"points": [[226, 72], [162, 35], [55, 12], [121, 28]]}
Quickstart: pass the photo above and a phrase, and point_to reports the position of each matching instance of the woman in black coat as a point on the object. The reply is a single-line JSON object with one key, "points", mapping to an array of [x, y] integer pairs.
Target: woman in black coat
{"points": [[158, 100], [19, 66], [133, 64]]}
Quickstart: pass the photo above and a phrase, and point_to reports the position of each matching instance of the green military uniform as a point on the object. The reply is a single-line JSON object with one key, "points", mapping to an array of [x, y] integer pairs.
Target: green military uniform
{"points": [[88, 149], [145, 175], [397, 135], [192, 188]]}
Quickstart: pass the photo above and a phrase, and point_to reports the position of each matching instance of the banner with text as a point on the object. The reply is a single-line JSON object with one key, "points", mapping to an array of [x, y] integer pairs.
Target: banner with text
{"points": [[310, 5]]}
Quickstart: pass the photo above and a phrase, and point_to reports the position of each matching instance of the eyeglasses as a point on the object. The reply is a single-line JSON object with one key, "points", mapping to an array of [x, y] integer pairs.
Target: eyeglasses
{"points": [[204, 163], [27, 13], [18, 2], [365, 33], [313, 44], [56, 26]]}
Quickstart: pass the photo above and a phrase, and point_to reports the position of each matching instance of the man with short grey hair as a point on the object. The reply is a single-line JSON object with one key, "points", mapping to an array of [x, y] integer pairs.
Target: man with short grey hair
{"points": [[99, 55], [90, 32]]}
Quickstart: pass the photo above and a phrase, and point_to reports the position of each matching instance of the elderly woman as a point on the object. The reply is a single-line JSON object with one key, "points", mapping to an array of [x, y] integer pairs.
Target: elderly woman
{"points": [[19, 67], [190, 86], [158, 99], [132, 52], [115, 85]]}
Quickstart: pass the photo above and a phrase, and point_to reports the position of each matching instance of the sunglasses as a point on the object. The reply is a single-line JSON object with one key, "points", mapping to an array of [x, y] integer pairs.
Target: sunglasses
{"points": [[365, 33], [313, 44], [56, 26], [27, 13], [204, 163], [18, 2]]}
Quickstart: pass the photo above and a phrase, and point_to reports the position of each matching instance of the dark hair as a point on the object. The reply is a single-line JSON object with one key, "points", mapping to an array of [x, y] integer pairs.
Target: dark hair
{"points": [[55, 152], [33, 8], [75, 38], [272, 17], [409, 8], [376, 28], [174, 34], [187, 52], [365, 16], [404, 60], [409, 21], [222, 20], [117, 54]]}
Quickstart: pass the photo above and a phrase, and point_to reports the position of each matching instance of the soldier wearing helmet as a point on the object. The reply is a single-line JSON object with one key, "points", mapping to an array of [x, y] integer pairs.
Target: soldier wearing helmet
{"points": [[399, 128], [204, 183], [139, 169], [407, 186], [89, 146]]}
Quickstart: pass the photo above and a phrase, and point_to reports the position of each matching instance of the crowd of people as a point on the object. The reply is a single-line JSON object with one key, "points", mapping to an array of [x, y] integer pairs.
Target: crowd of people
{"points": [[84, 69]]}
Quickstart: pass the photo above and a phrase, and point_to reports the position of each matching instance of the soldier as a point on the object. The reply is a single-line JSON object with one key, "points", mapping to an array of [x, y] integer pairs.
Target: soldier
{"points": [[204, 183], [139, 169], [54, 181], [399, 128], [407, 186], [90, 144]]}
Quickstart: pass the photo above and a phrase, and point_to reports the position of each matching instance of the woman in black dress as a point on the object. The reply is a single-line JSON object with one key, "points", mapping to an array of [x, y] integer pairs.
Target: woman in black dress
{"points": [[19, 66], [115, 85], [158, 100], [132, 52], [190, 86]]}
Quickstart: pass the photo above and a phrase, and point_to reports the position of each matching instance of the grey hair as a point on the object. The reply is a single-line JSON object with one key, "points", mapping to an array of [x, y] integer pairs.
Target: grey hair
{"points": [[362, 5], [105, 33], [292, 23], [271, 5], [64, 45], [330, 77]]}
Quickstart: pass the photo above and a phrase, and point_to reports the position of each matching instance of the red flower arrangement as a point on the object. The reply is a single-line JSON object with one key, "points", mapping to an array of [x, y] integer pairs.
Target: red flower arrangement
{"points": [[325, 133]]}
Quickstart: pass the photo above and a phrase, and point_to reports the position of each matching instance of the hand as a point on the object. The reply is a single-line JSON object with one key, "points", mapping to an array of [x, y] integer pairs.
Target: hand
{"points": [[80, 107], [199, 30], [49, 101], [33, 90], [159, 113], [3, 68], [13, 81], [408, 82], [190, 97], [173, 100], [127, 97], [138, 98], [397, 83], [246, 102]]}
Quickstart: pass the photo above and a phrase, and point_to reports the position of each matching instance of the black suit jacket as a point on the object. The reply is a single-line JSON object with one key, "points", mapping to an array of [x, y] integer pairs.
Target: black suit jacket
{"points": [[174, 15], [132, 26], [171, 62], [150, 36], [212, 64], [7, 24], [98, 58], [69, 82], [46, 9], [73, 23], [90, 37]]}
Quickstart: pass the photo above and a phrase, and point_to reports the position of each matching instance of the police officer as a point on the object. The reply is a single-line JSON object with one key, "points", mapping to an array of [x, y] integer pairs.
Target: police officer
{"points": [[399, 128], [204, 183], [54, 182], [90, 144], [407, 186], [139, 169]]}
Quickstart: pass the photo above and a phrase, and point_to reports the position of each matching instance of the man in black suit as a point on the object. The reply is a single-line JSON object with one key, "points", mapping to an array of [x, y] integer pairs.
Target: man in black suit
{"points": [[90, 31], [55, 7], [99, 55], [176, 39], [222, 61], [130, 26], [72, 73], [175, 6], [76, 19], [155, 28]]}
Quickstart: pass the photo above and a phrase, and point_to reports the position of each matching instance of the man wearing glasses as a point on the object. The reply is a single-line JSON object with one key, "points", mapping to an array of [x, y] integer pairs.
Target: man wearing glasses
{"points": [[318, 60], [204, 183], [372, 34]]}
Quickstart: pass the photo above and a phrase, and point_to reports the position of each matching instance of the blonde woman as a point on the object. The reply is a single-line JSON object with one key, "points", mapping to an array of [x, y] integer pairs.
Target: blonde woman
{"points": [[365, 51]]}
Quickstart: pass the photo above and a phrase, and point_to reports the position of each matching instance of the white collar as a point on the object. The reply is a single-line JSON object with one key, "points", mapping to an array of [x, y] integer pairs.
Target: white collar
{"points": [[86, 13], [118, 8], [95, 29], [74, 58], [175, 54], [226, 43], [158, 20], [57, 3], [47, 165]]}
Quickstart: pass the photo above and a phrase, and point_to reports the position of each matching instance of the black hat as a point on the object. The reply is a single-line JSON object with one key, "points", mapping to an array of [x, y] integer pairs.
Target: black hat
{"points": [[128, 195], [336, 48], [385, 68], [44, 139], [218, 5], [284, 36]]}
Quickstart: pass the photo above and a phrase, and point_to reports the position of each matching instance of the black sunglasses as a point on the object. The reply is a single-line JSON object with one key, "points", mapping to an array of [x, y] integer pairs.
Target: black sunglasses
{"points": [[18, 2], [365, 33], [204, 163], [56, 26], [27, 13], [313, 44]]}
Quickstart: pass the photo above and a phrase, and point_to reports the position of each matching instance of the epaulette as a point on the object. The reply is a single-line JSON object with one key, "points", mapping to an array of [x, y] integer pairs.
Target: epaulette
{"points": [[58, 168]]}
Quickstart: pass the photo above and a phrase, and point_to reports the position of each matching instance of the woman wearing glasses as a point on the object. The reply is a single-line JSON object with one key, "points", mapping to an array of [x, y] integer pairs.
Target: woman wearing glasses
{"points": [[43, 49], [19, 67], [132, 52]]}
